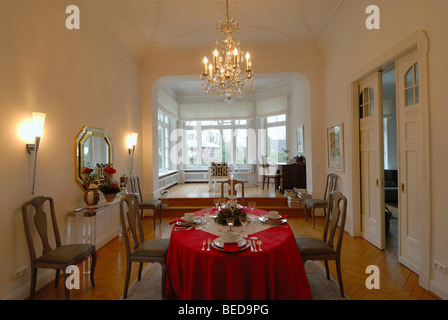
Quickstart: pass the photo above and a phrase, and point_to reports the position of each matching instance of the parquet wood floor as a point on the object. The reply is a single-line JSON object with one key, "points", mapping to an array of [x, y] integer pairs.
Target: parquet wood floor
{"points": [[396, 281]]}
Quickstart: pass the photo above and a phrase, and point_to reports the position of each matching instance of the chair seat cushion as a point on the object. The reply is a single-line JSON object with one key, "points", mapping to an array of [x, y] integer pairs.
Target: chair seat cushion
{"points": [[313, 246], [150, 204], [65, 254], [316, 203], [152, 248]]}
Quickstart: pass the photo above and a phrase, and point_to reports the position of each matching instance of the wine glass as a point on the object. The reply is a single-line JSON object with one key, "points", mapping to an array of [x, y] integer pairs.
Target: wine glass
{"points": [[244, 220], [216, 202], [223, 201], [252, 206]]}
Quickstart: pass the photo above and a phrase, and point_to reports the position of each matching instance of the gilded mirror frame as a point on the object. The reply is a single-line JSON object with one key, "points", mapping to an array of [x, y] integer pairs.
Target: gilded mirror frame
{"points": [[81, 138]]}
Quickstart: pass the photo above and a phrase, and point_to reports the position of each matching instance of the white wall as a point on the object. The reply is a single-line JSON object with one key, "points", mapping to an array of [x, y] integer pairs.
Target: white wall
{"points": [[350, 47], [76, 78]]}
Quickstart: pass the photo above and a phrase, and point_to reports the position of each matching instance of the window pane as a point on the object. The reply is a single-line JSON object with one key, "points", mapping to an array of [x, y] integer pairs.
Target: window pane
{"points": [[410, 78], [372, 109], [241, 146], [211, 146], [410, 97], [371, 97], [281, 117], [240, 122], [191, 146], [160, 147], [271, 119], [276, 144], [227, 146]]}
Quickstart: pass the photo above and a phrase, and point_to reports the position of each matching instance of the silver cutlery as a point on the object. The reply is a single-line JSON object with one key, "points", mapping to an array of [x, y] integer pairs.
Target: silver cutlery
{"points": [[208, 244], [203, 244], [253, 243], [259, 242]]}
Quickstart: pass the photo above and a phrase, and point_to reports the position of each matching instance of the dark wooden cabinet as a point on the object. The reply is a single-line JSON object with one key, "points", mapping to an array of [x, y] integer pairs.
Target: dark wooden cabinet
{"points": [[292, 176]]}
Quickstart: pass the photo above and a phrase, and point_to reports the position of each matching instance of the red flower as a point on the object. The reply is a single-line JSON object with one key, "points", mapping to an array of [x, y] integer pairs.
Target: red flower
{"points": [[114, 185], [110, 170]]}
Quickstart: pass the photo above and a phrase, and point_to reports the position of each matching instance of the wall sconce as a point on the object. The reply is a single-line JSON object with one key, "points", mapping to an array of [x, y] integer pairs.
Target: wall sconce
{"points": [[131, 142], [37, 129]]}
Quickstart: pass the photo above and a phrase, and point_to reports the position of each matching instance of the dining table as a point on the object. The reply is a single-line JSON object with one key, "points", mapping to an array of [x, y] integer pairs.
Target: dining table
{"points": [[270, 268]]}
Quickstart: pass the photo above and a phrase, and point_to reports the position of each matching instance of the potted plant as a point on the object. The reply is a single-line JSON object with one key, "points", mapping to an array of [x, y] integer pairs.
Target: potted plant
{"points": [[109, 187]]}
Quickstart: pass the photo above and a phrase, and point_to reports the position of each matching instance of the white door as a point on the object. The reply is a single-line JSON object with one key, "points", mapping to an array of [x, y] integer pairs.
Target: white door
{"points": [[410, 133], [371, 160]]}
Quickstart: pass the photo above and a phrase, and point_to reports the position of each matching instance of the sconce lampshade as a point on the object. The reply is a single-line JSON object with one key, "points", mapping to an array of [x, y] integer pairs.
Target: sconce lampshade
{"points": [[38, 123], [132, 140]]}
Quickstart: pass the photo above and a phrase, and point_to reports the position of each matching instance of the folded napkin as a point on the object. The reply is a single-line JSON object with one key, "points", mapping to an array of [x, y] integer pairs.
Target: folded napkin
{"points": [[230, 247]]}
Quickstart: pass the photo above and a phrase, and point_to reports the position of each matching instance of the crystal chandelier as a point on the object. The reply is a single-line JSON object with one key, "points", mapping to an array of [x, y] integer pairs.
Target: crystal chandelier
{"points": [[223, 76]]}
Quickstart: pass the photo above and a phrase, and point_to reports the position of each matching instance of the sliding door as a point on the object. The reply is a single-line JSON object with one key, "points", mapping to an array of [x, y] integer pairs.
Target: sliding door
{"points": [[371, 160]]}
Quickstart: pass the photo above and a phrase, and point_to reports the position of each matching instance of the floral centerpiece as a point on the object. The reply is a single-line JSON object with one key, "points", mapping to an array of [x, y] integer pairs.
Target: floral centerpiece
{"points": [[238, 213], [109, 187]]}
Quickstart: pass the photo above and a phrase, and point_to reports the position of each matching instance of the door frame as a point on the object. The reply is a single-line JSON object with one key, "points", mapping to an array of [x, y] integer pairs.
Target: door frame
{"points": [[418, 41]]}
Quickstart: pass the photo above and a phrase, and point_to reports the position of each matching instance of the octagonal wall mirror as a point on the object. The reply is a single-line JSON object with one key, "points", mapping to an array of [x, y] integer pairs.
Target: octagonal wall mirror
{"points": [[95, 150]]}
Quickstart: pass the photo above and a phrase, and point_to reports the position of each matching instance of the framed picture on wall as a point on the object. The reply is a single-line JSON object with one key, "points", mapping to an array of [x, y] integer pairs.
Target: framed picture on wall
{"points": [[335, 147], [300, 140]]}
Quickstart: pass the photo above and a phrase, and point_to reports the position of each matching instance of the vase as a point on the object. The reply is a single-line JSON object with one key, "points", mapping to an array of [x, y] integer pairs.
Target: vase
{"points": [[110, 197], [91, 196]]}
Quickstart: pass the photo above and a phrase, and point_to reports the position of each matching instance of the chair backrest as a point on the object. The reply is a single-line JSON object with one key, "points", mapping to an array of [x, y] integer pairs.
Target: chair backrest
{"points": [[40, 222], [331, 185], [135, 187], [219, 170], [336, 214], [130, 218], [235, 183]]}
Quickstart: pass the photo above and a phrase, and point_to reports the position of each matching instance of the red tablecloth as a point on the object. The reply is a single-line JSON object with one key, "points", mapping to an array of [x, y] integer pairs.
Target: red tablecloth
{"points": [[276, 273]]}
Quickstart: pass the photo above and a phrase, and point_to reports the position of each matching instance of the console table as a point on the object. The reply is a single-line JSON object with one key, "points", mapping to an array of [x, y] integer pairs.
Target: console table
{"points": [[292, 175], [95, 226]]}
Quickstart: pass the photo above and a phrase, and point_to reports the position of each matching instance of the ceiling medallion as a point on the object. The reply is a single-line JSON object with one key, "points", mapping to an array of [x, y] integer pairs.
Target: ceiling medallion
{"points": [[223, 77]]}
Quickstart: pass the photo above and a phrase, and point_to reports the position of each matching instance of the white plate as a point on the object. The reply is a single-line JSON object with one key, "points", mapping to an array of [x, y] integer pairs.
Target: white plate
{"points": [[271, 221], [186, 224]]}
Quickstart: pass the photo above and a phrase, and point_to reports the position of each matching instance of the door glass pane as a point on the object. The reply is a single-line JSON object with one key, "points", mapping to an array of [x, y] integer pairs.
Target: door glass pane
{"points": [[417, 94], [410, 97], [416, 73], [366, 95], [372, 109], [410, 78]]}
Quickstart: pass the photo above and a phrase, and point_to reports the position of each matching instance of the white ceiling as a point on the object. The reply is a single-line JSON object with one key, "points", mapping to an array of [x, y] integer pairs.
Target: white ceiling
{"points": [[192, 22], [138, 25]]}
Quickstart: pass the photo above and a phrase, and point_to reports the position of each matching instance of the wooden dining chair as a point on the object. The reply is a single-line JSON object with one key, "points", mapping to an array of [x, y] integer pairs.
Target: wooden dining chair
{"points": [[235, 183], [146, 204], [268, 173], [326, 249], [61, 256], [321, 203], [137, 249]]}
